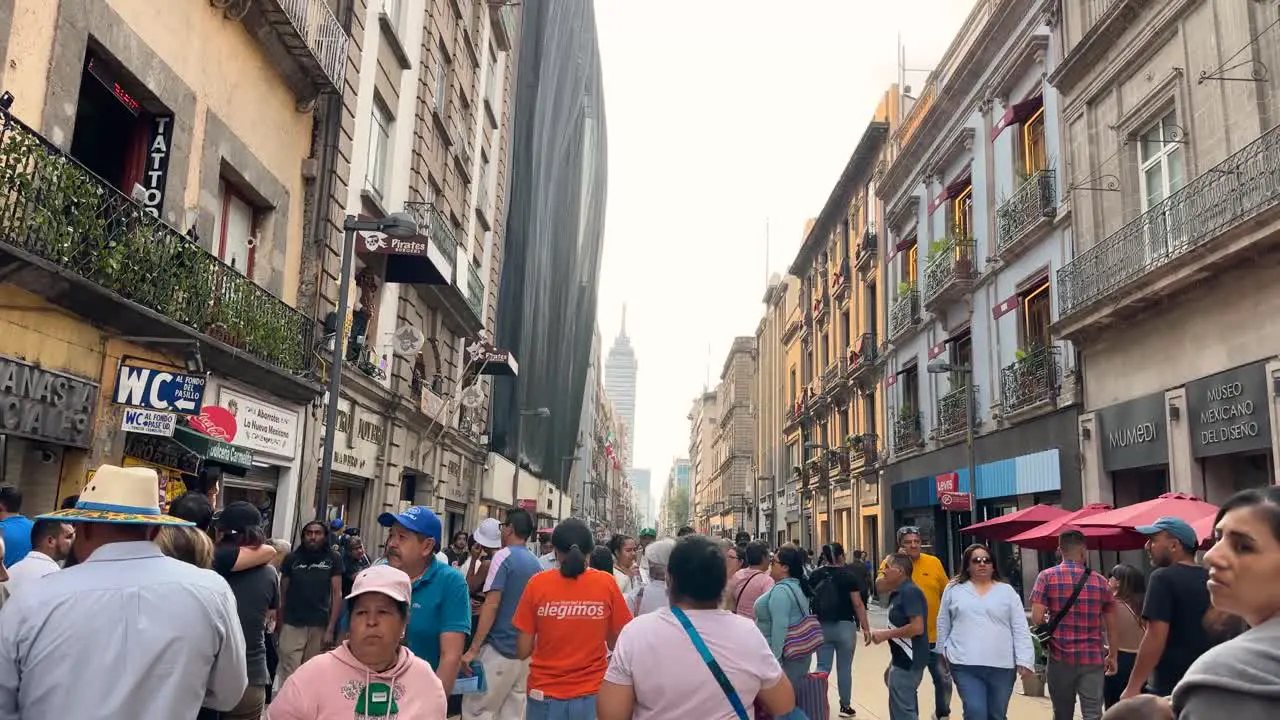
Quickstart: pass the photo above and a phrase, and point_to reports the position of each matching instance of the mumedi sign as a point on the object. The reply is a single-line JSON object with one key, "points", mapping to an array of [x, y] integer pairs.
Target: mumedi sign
{"points": [[1228, 412], [1134, 434]]}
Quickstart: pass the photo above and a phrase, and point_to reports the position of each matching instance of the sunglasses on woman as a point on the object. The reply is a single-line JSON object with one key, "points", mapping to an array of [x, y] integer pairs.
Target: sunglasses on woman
{"points": [[980, 560]]}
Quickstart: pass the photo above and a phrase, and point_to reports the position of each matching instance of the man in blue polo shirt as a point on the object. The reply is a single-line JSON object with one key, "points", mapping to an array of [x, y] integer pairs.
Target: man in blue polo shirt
{"points": [[440, 613]]}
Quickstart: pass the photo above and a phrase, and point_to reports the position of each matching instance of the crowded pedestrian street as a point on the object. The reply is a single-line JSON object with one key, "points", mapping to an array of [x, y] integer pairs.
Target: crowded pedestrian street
{"points": [[639, 360]]}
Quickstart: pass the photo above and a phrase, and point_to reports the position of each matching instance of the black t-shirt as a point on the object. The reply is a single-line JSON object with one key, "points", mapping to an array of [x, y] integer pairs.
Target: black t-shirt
{"points": [[307, 600], [845, 584], [1177, 595], [257, 591], [862, 575], [351, 567], [905, 603]]}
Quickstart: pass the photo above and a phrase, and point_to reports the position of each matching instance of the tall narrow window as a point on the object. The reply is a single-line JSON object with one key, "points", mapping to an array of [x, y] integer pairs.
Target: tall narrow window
{"points": [[233, 228], [1161, 158], [1035, 154], [793, 387], [442, 82], [379, 147], [1036, 312], [909, 379], [961, 220], [910, 263], [961, 356]]}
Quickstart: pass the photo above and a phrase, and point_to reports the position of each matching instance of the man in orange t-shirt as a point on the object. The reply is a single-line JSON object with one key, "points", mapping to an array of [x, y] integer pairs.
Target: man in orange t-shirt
{"points": [[566, 618]]}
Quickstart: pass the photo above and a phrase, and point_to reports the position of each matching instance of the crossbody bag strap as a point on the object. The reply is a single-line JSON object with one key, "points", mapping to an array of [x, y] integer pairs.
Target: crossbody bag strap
{"points": [[743, 589], [721, 679], [1075, 593]]}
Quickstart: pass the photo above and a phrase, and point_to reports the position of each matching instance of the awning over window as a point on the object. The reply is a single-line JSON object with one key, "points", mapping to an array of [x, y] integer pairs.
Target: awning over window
{"points": [[187, 451], [1018, 114]]}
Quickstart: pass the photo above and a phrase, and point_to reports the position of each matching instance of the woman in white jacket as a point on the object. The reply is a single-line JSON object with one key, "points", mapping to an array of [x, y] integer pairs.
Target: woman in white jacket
{"points": [[983, 636]]}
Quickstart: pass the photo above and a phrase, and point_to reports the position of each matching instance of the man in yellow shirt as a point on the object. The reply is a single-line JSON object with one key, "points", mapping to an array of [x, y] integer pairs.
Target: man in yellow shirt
{"points": [[928, 574]]}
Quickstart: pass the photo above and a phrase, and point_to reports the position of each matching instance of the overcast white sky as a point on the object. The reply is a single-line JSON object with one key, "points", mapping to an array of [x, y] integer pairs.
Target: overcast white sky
{"points": [[723, 115]]}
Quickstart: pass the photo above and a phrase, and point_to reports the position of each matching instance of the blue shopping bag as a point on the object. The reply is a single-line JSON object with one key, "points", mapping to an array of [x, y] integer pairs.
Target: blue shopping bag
{"points": [[472, 684]]}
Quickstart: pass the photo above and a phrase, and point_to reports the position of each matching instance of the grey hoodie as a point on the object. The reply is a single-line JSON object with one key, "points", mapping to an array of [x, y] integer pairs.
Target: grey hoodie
{"points": [[1239, 679]]}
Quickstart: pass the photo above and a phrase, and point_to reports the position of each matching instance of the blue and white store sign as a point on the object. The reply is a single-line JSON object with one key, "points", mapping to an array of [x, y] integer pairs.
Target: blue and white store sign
{"points": [[148, 422], [161, 390]]}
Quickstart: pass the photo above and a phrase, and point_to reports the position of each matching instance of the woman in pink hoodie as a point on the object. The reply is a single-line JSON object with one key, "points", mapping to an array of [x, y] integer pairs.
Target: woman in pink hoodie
{"points": [[371, 676]]}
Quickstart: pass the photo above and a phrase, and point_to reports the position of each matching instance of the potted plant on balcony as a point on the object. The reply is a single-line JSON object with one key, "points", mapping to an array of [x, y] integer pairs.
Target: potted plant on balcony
{"points": [[904, 289]]}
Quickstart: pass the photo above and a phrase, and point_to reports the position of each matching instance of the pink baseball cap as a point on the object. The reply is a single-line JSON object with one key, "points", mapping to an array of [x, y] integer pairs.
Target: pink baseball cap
{"points": [[384, 579]]}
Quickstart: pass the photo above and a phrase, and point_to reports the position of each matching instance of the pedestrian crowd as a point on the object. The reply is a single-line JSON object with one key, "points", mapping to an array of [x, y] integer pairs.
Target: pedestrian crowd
{"points": [[111, 608]]}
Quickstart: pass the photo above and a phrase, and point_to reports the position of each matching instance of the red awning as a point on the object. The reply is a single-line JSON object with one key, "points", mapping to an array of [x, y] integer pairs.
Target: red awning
{"points": [[1045, 536], [1006, 526], [959, 185], [1018, 114]]}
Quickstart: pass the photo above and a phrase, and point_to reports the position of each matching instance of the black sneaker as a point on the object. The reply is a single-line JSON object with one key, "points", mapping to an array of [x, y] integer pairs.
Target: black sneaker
{"points": [[846, 711]]}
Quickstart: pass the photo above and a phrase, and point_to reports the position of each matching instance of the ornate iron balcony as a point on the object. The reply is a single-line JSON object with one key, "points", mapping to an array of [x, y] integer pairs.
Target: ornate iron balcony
{"points": [[1224, 196], [904, 314], [864, 449], [906, 431], [433, 223], [1030, 380], [306, 31], [951, 410], [58, 210], [866, 248], [475, 291], [949, 271], [863, 356], [1031, 205]]}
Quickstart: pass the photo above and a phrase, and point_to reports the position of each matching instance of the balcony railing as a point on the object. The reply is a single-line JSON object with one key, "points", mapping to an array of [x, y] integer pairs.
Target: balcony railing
{"points": [[949, 269], [308, 32], [503, 25], [1094, 10], [863, 355], [1031, 205], [907, 434], [904, 314], [58, 210], [1030, 380], [433, 223], [864, 449], [475, 291], [1226, 195], [951, 412], [866, 248], [842, 282]]}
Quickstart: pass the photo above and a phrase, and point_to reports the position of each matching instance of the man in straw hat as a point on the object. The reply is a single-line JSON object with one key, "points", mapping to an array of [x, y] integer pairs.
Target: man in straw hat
{"points": [[127, 633]]}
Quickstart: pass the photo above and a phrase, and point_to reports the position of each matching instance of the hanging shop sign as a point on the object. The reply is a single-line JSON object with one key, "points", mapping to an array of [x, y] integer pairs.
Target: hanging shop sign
{"points": [[950, 498], [46, 405], [218, 423], [187, 450], [491, 360], [261, 426], [1134, 434], [156, 389], [155, 176], [1229, 412], [148, 422]]}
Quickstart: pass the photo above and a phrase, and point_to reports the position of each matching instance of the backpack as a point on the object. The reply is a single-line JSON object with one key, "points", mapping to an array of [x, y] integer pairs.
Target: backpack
{"points": [[826, 597]]}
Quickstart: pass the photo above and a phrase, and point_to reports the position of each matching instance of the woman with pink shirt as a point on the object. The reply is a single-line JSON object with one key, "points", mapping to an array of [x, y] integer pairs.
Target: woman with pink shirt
{"points": [[753, 580], [693, 659], [371, 675]]}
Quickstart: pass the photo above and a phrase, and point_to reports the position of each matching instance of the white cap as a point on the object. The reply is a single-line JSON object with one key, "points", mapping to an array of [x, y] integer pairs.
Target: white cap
{"points": [[489, 534]]}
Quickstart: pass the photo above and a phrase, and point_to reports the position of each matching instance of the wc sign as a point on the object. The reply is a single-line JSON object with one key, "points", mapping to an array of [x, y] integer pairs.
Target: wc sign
{"points": [[161, 390]]}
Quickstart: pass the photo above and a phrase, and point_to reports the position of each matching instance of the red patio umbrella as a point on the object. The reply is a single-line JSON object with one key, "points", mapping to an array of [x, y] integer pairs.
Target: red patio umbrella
{"points": [[1204, 529], [1045, 536], [1180, 505], [1006, 526]]}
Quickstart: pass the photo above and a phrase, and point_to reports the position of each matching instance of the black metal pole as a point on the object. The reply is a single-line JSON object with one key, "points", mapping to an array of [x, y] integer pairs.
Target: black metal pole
{"points": [[335, 371]]}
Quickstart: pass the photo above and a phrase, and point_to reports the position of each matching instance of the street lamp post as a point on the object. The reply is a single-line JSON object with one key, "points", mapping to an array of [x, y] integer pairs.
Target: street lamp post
{"points": [[397, 225], [515, 477], [938, 367]]}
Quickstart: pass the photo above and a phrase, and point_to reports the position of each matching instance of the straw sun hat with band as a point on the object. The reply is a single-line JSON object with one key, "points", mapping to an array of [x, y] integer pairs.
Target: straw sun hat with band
{"points": [[123, 496]]}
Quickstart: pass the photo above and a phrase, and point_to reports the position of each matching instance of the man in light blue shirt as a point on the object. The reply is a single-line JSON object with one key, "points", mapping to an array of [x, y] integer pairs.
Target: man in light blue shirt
{"points": [[15, 529], [128, 633], [494, 645]]}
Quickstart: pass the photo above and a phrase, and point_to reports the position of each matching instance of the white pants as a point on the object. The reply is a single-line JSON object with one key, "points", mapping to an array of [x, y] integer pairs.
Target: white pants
{"points": [[505, 681]]}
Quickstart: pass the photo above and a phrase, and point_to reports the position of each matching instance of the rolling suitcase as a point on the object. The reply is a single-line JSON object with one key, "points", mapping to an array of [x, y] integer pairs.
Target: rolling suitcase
{"points": [[812, 698]]}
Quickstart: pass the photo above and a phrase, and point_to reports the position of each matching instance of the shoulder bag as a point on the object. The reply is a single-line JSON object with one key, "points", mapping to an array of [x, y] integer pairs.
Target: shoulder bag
{"points": [[1044, 631], [805, 636], [738, 600], [716, 671]]}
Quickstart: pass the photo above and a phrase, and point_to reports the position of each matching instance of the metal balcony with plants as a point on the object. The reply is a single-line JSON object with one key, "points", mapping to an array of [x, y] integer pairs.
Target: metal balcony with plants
{"points": [[303, 32], [865, 256], [864, 450], [904, 312], [863, 356], [908, 432], [55, 211], [1031, 380], [1224, 197], [1033, 205], [951, 410], [843, 282], [949, 271]]}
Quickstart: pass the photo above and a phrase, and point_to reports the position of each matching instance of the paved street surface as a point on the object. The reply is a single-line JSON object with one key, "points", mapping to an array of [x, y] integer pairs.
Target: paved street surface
{"points": [[871, 698]]}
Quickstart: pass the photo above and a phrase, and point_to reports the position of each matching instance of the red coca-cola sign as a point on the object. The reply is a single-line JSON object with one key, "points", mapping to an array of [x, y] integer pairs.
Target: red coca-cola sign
{"points": [[216, 422]]}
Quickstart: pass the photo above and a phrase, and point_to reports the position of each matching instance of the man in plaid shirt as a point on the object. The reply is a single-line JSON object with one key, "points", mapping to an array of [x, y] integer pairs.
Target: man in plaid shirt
{"points": [[1078, 656]]}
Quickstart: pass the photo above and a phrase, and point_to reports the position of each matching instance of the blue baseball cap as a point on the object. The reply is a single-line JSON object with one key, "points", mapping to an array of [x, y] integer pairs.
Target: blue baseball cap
{"points": [[1177, 527], [419, 519]]}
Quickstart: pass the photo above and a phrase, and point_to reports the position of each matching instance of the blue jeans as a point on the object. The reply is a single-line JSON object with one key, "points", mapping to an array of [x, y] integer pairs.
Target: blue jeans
{"points": [[838, 640], [984, 691], [579, 708], [941, 684], [904, 685]]}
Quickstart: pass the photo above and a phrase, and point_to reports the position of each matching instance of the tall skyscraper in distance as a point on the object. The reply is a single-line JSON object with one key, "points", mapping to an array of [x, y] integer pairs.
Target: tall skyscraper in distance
{"points": [[681, 471], [620, 384], [640, 480]]}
